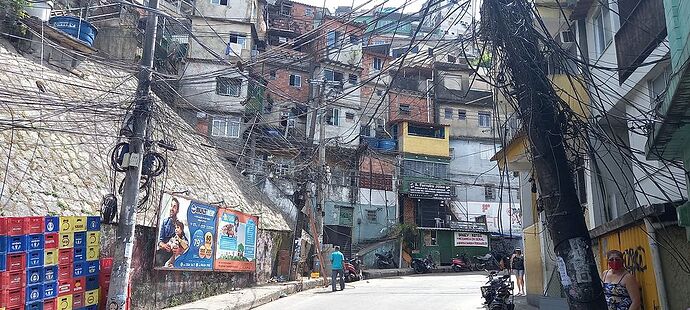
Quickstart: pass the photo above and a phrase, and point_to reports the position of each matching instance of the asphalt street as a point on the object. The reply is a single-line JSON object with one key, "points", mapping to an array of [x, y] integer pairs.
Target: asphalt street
{"points": [[440, 291]]}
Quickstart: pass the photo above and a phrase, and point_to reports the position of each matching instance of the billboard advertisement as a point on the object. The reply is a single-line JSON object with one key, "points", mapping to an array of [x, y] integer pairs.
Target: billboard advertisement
{"points": [[501, 218], [236, 241], [186, 234]]}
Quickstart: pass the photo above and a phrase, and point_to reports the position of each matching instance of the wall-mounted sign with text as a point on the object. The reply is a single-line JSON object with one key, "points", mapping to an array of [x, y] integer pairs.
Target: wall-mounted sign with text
{"points": [[430, 190], [471, 239]]}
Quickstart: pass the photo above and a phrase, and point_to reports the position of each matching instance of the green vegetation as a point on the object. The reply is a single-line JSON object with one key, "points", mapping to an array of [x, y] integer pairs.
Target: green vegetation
{"points": [[405, 232], [11, 12]]}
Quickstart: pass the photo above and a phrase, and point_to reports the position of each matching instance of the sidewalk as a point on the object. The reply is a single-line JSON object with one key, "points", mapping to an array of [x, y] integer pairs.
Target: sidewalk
{"points": [[251, 297]]}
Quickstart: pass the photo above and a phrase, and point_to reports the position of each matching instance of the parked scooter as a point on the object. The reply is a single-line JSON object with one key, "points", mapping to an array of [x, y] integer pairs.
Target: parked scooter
{"points": [[423, 265], [385, 261], [485, 262], [461, 263], [353, 270], [498, 292]]}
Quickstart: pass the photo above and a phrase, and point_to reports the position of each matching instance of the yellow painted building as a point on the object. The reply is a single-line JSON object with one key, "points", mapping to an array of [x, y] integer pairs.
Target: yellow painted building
{"points": [[424, 138], [637, 256]]}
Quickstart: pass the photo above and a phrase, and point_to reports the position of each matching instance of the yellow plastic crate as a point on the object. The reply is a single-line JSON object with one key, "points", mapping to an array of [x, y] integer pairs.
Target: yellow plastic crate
{"points": [[66, 224], [93, 253], [93, 238], [50, 257], [66, 240], [79, 223], [91, 298], [315, 275], [64, 302]]}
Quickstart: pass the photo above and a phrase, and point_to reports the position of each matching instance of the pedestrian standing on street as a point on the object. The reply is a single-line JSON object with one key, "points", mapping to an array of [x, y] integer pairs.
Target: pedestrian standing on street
{"points": [[620, 287], [337, 267], [517, 264]]}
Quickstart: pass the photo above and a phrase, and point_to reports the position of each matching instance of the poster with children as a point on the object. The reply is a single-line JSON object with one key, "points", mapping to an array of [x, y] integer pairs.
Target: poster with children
{"points": [[236, 243], [186, 233]]}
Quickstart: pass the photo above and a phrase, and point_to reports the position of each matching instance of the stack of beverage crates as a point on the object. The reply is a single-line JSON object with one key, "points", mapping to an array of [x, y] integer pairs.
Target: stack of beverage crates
{"points": [[50, 263]]}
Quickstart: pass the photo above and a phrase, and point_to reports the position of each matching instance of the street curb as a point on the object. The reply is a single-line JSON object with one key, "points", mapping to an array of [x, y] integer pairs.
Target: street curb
{"points": [[385, 273], [287, 289]]}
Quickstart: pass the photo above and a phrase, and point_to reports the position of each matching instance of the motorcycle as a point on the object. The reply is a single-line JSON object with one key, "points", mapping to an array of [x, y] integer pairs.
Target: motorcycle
{"points": [[485, 262], [497, 292], [353, 270], [423, 266], [461, 263], [385, 261]]}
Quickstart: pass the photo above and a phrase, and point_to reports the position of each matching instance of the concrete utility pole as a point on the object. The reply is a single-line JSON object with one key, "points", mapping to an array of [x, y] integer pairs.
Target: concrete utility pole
{"points": [[124, 245], [508, 25]]}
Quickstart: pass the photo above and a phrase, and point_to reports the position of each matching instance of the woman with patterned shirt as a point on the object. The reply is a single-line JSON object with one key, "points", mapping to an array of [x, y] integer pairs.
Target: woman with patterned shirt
{"points": [[620, 287]]}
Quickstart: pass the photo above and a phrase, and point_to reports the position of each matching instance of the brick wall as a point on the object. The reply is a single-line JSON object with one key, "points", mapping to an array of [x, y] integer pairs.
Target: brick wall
{"points": [[418, 106], [376, 165], [280, 89], [408, 210]]}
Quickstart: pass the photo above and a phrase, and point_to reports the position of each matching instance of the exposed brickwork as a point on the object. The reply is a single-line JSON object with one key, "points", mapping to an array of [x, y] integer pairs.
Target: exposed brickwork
{"points": [[279, 87], [408, 210], [376, 165], [419, 111]]}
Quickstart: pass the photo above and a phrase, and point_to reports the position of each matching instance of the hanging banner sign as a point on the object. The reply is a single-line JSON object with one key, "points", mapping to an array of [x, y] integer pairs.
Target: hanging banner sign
{"points": [[186, 234], [471, 239], [430, 190], [236, 241]]}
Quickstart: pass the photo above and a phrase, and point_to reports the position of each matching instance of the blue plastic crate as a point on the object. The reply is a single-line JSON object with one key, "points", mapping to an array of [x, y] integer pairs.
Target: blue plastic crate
{"points": [[3, 262], [79, 254], [50, 289], [93, 267], [15, 244], [50, 273], [35, 242], [93, 223], [35, 258], [79, 269], [80, 239], [92, 282], [38, 305], [35, 275], [52, 224], [91, 307], [3, 244], [34, 293]]}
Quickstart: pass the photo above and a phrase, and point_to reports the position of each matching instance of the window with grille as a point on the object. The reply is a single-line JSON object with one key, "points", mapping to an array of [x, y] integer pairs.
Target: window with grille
{"points": [[448, 113], [485, 119], [372, 216], [308, 12], [378, 63], [333, 117], [295, 80], [462, 114], [333, 39], [349, 116], [489, 193], [228, 86], [225, 127]]}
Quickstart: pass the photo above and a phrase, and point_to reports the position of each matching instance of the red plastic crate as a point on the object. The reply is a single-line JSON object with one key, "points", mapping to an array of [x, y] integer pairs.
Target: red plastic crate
{"points": [[16, 261], [64, 287], [78, 285], [52, 240], [107, 264], [65, 256], [3, 227], [65, 272], [14, 226], [13, 297], [50, 304], [77, 300], [34, 225], [12, 279]]}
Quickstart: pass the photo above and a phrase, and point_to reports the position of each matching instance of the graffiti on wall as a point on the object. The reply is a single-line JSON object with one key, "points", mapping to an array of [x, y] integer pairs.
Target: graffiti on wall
{"points": [[633, 259]]}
